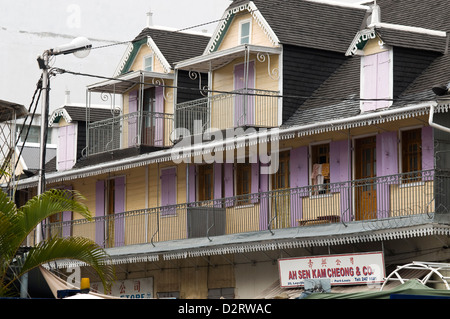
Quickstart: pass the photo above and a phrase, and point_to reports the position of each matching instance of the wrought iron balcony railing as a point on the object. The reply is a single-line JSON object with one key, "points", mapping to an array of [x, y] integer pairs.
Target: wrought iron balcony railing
{"points": [[385, 198], [138, 128], [240, 108]]}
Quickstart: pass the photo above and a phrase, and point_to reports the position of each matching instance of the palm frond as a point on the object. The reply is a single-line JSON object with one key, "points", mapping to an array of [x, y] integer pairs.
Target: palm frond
{"points": [[73, 248]]}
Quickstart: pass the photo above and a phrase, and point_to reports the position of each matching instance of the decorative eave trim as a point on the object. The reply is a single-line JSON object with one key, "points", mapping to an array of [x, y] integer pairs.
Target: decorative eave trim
{"points": [[318, 241], [152, 45], [228, 16], [58, 113], [120, 260], [124, 59], [360, 40]]}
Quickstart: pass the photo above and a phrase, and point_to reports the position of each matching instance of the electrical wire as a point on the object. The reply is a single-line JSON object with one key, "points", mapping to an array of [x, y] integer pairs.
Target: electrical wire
{"points": [[299, 97]]}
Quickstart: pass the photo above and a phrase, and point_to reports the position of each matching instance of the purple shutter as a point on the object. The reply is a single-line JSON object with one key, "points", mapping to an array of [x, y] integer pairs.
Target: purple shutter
{"points": [[340, 175], [298, 170], [383, 83], [387, 165], [62, 132], [255, 182], [370, 82], [228, 183], [67, 218], [159, 116], [132, 120], [218, 183], [66, 147], [264, 200], [119, 207], [427, 148], [243, 102], [168, 191], [100, 213]]}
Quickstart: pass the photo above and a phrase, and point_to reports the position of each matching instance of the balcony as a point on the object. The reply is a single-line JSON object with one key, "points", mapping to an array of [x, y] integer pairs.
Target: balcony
{"points": [[388, 198], [128, 130], [239, 108]]}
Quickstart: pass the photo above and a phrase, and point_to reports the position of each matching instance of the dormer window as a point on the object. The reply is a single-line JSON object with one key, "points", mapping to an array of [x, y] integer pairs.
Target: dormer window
{"points": [[244, 32], [376, 80], [148, 63]]}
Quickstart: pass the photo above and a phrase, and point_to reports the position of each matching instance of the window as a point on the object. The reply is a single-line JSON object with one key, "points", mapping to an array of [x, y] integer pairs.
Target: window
{"points": [[412, 150], [244, 37], [148, 63], [320, 167], [243, 181], [205, 182]]}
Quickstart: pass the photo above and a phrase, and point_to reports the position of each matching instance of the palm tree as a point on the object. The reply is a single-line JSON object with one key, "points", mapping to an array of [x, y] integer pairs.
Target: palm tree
{"points": [[17, 223]]}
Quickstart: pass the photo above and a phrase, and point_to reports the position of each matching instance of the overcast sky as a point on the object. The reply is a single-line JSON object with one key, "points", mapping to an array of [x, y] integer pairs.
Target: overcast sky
{"points": [[29, 27]]}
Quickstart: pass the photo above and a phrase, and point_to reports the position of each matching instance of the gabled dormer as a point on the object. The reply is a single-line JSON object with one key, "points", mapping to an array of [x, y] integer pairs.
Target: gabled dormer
{"points": [[145, 83], [391, 57]]}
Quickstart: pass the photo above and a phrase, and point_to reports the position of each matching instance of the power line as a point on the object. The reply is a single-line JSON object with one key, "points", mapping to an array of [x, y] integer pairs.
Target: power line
{"points": [[285, 96]]}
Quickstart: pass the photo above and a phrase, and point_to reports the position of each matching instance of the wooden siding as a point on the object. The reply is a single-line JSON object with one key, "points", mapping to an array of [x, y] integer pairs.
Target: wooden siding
{"points": [[231, 39]]}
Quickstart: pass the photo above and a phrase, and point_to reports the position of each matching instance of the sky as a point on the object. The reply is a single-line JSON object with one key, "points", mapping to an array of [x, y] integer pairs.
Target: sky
{"points": [[29, 27]]}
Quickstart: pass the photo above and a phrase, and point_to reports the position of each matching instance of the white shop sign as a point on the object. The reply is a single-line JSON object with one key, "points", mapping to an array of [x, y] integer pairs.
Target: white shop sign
{"points": [[346, 269], [141, 288]]}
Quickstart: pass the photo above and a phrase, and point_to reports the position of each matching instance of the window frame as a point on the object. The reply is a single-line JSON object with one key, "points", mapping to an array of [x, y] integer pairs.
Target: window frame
{"points": [[145, 66], [205, 171], [316, 188], [404, 157], [249, 36], [241, 169]]}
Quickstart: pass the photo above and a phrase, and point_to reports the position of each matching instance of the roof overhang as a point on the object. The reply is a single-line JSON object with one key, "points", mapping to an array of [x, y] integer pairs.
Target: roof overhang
{"points": [[433, 40], [11, 111], [217, 59], [279, 239], [125, 82]]}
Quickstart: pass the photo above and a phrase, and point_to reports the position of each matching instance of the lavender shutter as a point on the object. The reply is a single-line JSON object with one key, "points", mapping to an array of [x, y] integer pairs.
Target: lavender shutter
{"points": [[387, 159], [298, 170], [228, 183], [168, 191], [119, 207], [340, 175], [100, 213], [244, 105], [132, 120], [159, 116], [369, 79], [264, 200], [66, 147], [383, 83]]}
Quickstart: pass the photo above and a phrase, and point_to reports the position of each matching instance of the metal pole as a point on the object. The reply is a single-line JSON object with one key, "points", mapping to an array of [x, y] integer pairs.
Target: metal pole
{"points": [[44, 111]]}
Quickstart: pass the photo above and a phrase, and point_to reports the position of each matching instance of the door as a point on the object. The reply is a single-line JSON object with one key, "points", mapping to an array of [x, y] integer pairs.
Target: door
{"points": [[148, 127], [365, 173]]}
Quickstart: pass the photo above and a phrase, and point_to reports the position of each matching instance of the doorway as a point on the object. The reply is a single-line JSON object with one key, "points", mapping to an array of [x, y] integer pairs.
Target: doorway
{"points": [[365, 176]]}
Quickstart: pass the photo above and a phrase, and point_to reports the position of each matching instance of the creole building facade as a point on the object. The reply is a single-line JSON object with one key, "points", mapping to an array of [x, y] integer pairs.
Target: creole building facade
{"points": [[297, 129]]}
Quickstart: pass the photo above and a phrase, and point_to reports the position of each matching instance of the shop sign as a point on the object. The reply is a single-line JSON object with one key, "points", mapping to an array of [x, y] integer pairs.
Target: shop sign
{"points": [[346, 269], [141, 288]]}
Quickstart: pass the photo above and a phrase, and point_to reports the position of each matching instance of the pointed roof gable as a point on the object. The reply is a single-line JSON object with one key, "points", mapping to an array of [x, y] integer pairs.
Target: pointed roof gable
{"points": [[316, 24], [169, 46]]}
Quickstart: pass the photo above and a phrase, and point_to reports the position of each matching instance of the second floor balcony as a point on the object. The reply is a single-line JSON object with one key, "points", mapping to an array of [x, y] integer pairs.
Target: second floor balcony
{"points": [[134, 129], [239, 108], [384, 202]]}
